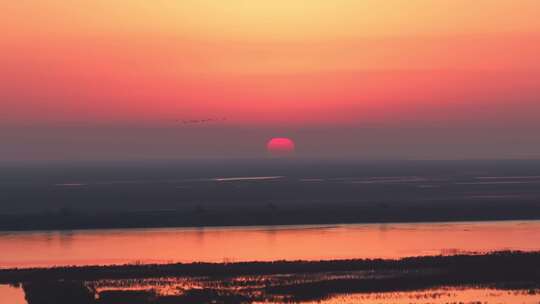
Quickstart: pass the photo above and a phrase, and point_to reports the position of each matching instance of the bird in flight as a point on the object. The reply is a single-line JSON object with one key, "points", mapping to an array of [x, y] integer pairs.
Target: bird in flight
{"points": [[199, 121]]}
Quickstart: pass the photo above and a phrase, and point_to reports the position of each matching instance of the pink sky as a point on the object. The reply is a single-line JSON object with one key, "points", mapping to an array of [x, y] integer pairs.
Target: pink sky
{"points": [[285, 67]]}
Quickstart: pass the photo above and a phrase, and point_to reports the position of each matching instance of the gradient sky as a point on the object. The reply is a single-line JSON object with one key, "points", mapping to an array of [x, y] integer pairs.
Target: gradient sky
{"points": [[398, 78]]}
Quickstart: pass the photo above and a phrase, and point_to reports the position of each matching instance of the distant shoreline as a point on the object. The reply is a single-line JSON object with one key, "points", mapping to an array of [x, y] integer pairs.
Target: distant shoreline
{"points": [[153, 220], [275, 227]]}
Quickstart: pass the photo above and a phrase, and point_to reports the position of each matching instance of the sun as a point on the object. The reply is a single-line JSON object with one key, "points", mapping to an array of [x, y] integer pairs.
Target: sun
{"points": [[281, 146]]}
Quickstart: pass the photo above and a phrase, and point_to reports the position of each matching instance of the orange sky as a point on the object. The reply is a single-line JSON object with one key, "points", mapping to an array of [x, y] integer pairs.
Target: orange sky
{"points": [[280, 62]]}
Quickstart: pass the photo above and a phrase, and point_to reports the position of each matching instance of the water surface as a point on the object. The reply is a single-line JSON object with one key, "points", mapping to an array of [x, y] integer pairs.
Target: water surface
{"points": [[121, 246], [439, 296], [11, 295]]}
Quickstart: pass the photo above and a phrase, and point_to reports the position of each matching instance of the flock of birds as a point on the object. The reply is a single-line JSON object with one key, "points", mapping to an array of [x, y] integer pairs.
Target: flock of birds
{"points": [[199, 121]]}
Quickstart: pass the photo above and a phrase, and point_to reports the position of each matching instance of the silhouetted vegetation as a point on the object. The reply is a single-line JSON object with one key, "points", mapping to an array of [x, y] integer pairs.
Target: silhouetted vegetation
{"points": [[261, 281], [127, 297], [202, 296], [58, 292]]}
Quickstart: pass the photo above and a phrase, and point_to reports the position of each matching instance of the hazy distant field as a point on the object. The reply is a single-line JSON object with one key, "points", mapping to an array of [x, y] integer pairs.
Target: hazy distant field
{"points": [[248, 192]]}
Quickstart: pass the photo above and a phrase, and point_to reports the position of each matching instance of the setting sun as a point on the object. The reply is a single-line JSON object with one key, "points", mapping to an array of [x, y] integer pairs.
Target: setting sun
{"points": [[280, 146]]}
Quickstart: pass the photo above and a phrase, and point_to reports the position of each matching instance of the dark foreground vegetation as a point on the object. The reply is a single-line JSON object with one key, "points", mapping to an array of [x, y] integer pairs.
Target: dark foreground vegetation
{"points": [[272, 281]]}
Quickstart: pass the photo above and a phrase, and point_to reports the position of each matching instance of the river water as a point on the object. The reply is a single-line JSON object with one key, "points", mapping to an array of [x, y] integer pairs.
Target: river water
{"points": [[234, 244]]}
